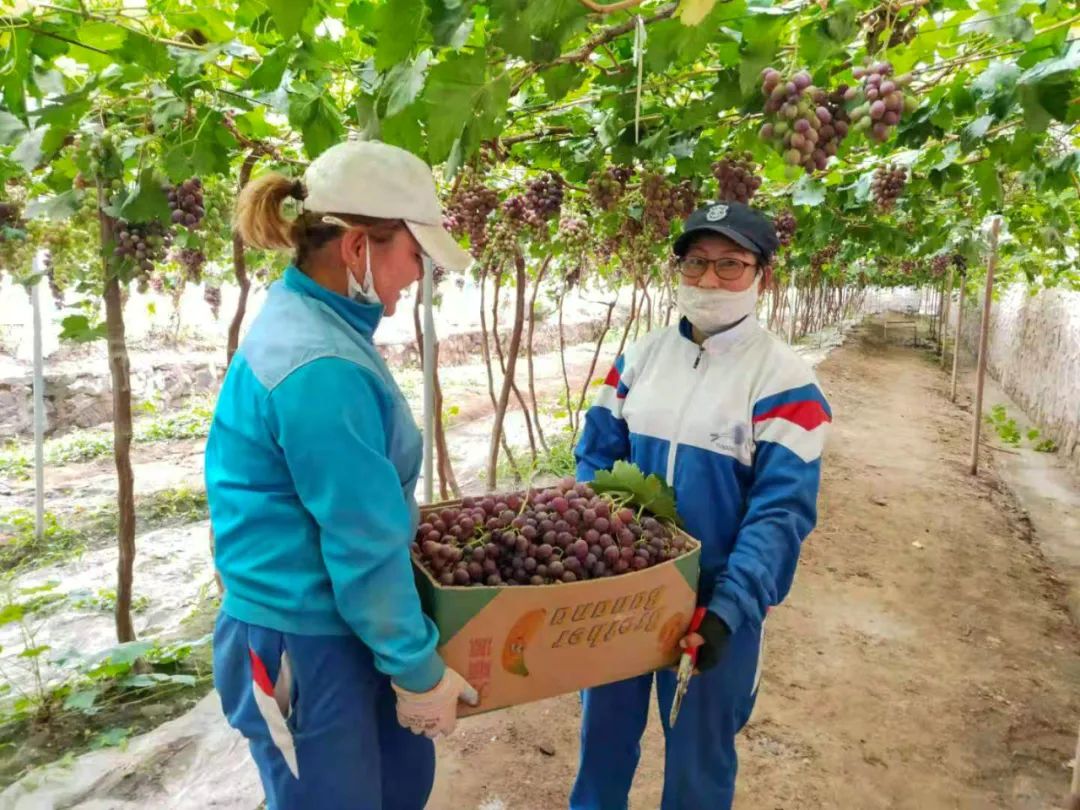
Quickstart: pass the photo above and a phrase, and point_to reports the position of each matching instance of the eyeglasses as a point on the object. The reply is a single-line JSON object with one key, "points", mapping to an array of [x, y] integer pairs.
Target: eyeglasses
{"points": [[727, 268]]}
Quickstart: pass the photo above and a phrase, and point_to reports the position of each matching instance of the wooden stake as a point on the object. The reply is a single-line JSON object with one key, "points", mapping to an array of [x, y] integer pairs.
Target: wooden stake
{"points": [[120, 372], [956, 342], [984, 339]]}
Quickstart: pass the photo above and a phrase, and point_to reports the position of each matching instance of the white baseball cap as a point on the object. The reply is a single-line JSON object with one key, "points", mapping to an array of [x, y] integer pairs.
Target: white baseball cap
{"points": [[375, 179]]}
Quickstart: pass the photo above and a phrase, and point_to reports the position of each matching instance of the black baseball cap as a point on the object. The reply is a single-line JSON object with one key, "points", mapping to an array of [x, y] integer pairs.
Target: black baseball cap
{"points": [[740, 223]]}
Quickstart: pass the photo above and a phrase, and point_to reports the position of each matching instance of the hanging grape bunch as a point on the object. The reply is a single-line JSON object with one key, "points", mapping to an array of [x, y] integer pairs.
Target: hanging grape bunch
{"points": [[832, 133], [543, 199], [737, 177], [503, 241], [686, 198], [882, 100], [50, 274], [795, 112], [141, 245], [186, 203], [661, 205], [887, 184], [467, 212], [191, 261], [939, 264], [823, 257], [212, 296], [574, 235], [785, 225], [607, 186], [908, 267], [564, 534]]}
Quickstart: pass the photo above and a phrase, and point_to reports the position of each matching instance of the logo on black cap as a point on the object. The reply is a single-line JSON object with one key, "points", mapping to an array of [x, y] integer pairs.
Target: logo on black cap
{"points": [[716, 213]]}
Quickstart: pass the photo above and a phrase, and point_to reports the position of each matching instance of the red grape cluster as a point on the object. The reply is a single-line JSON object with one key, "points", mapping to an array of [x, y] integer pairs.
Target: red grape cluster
{"points": [[887, 184], [831, 134], [662, 203], [737, 177], [141, 245], [564, 534], [908, 266], [798, 112], [467, 213], [212, 296], [192, 261], [515, 210], [821, 258], [186, 203], [940, 264], [607, 187], [686, 198], [883, 100], [544, 198], [785, 225]]}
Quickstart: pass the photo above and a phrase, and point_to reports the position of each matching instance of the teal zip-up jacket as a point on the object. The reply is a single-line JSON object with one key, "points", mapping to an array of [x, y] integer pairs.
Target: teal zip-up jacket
{"points": [[311, 468]]}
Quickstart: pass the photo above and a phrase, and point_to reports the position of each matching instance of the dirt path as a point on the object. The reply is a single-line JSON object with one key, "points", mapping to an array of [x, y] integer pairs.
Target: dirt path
{"points": [[923, 660]]}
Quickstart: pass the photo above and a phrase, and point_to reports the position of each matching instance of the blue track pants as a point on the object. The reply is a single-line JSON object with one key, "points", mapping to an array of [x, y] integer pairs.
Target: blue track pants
{"points": [[320, 720], [699, 762]]}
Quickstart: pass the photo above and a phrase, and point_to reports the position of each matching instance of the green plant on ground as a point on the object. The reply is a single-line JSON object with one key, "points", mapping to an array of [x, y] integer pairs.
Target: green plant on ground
{"points": [[15, 464], [557, 463], [104, 600], [20, 549], [1010, 434], [98, 700], [1004, 425], [191, 422], [19, 545]]}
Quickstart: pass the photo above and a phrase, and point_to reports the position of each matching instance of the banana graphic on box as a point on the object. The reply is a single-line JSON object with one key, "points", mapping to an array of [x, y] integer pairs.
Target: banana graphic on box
{"points": [[523, 631]]}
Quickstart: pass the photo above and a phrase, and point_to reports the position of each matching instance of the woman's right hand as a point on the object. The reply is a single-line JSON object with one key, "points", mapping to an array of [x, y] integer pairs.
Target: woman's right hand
{"points": [[434, 712]]}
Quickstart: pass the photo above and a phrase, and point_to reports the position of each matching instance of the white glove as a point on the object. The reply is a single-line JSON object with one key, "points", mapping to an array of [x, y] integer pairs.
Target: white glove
{"points": [[434, 712]]}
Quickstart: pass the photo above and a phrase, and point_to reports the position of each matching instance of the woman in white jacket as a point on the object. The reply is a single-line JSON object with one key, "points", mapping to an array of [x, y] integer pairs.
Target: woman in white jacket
{"points": [[735, 421]]}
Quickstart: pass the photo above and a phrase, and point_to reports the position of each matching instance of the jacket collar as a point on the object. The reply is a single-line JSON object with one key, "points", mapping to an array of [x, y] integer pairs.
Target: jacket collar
{"points": [[364, 318], [726, 340]]}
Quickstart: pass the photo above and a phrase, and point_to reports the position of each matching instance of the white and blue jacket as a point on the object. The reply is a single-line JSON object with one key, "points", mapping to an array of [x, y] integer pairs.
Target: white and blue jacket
{"points": [[736, 427], [311, 466]]}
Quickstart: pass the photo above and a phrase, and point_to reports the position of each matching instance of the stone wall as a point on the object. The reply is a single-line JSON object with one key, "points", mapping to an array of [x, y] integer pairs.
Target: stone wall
{"points": [[1034, 353], [80, 395]]}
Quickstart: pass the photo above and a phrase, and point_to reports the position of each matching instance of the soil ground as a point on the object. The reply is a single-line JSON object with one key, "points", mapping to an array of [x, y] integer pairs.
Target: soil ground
{"points": [[924, 658]]}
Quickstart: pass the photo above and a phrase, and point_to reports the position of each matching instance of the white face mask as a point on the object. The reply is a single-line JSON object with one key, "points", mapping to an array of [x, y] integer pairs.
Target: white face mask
{"points": [[713, 310], [363, 293]]}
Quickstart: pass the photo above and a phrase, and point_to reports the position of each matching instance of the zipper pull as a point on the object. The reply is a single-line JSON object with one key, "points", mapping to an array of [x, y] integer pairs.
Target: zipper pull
{"points": [[697, 360]]}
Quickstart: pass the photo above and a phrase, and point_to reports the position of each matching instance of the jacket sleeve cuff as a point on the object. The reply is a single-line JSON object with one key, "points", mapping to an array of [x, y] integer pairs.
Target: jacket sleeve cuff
{"points": [[727, 609], [424, 677]]}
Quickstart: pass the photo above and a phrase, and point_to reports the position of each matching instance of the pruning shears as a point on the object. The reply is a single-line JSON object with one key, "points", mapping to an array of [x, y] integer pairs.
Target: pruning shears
{"points": [[686, 666]]}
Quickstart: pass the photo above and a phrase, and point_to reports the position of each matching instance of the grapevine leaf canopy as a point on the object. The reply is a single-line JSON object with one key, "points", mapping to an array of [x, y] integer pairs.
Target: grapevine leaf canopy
{"points": [[984, 114]]}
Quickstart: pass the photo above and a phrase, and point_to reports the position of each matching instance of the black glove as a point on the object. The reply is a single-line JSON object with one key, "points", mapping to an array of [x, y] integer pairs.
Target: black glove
{"points": [[716, 634]]}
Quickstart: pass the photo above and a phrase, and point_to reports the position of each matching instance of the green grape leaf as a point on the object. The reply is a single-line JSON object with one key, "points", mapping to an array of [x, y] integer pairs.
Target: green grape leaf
{"points": [[405, 82], [268, 73], [78, 329], [650, 493], [560, 80], [398, 24], [692, 12], [288, 15], [808, 191]]}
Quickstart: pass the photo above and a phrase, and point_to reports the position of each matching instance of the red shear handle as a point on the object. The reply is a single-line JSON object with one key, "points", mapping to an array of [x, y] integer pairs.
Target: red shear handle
{"points": [[695, 625]]}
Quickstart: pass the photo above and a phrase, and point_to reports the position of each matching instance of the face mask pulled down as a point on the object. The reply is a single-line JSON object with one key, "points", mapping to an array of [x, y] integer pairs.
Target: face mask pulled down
{"points": [[712, 311], [361, 293]]}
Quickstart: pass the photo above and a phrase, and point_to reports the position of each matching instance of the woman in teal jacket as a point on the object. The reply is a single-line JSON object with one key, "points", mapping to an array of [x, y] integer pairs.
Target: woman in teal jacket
{"points": [[311, 466]]}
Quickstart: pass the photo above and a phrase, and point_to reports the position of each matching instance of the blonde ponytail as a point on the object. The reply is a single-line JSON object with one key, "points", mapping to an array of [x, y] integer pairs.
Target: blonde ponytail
{"points": [[258, 217]]}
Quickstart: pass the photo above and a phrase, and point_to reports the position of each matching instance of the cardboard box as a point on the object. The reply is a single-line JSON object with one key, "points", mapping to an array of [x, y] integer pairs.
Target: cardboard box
{"points": [[520, 643]]}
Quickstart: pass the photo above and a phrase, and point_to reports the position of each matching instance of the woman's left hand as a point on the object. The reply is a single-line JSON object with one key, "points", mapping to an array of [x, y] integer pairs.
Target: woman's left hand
{"points": [[712, 639]]}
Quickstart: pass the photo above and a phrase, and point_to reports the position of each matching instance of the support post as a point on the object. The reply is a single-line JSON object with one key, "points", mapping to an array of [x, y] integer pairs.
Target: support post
{"points": [[956, 342], [984, 339], [39, 401], [429, 380]]}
